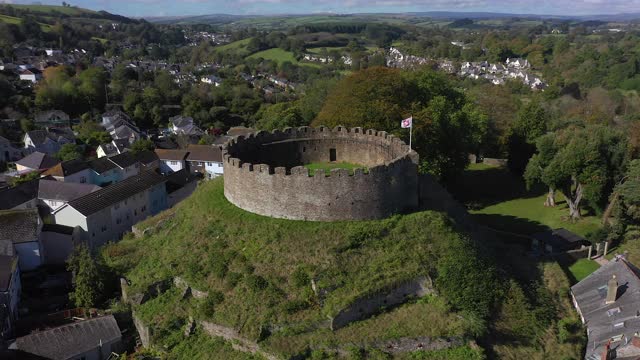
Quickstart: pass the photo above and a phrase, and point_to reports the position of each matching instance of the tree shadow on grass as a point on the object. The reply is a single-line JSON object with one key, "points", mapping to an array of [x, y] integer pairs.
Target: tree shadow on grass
{"points": [[510, 223], [481, 188]]}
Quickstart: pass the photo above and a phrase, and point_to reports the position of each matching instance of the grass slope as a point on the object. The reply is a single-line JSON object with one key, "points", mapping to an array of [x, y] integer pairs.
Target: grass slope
{"points": [[239, 47], [280, 56], [47, 9], [257, 271], [15, 20]]}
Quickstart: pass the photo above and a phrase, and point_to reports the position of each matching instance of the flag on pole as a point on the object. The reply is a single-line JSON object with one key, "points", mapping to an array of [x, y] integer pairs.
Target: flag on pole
{"points": [[407, 123]]}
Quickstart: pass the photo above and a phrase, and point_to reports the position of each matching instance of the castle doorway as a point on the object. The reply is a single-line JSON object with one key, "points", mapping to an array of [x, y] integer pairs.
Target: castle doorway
{"points": [[332, 155]]}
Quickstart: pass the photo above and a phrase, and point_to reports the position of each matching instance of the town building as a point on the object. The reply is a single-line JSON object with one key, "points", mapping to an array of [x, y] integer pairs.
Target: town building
{"points": [[608, 304], [107, 214], [48, 141], [58, 242], [20, 197], [205, 160], [32, 75], [73, 171], [91, 339], [36, 161], [52, 118], [115, 147], [172, 160], [54, 194], [23, 227], [184, 125], [8, 152], [10, 289]]}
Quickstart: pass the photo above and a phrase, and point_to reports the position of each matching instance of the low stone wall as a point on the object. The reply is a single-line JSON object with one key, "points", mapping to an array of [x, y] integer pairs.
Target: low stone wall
{"points": [[187, 290], [138, 232], [405, 345], [494, 162], [370, 305], [143, 330], [237, 342]]}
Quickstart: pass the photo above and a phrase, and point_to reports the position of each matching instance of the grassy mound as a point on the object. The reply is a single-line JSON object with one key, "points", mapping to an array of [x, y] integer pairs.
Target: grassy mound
{"points": [[258, 272], [327, 166]]}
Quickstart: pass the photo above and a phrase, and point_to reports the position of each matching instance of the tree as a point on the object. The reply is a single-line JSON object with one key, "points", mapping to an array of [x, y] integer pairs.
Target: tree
{"points": [[583, 163], [88, 283], [531, 123], [26, 125], [280, 116], [447, 127], [69, 152], [142, 145], [92, 134]]}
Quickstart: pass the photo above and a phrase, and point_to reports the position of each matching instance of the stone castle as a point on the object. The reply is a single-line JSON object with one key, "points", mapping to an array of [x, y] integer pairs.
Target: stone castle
{"points": [[264, 173]]}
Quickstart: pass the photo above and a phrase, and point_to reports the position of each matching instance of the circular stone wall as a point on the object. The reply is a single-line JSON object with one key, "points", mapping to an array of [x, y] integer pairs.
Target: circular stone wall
{"points": [[264, 173]]}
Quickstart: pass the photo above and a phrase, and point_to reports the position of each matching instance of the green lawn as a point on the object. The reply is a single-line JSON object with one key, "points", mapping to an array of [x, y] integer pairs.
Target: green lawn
{"points": [[16, 21], [583, 268], [280, 56], [318, 50], [332, 165], [239, 47], [501, 200]]}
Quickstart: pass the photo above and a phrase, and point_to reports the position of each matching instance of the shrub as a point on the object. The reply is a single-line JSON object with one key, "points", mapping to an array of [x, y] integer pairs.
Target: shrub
{"points": [[256, 283], [300, 278]]}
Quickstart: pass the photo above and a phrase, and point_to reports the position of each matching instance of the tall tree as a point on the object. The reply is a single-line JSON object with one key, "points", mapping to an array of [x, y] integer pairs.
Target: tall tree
{"points": [[88, 285], [583, 163]]}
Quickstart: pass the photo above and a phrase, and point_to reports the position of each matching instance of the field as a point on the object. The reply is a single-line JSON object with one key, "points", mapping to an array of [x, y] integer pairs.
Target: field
{"points": [[583, 268], [500, 200], [239, 47], [47, 9], [328, 166], [259, 270], [16, 21], [280, 56]]}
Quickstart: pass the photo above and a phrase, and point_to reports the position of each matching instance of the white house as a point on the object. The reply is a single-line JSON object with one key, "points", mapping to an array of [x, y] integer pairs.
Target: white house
{"points": [[211, 79], [73, 171], [34, 162], [53, 52], [107, 214], [205, 160], [32, 75], [115, 147], [22, 228], [171, 160], [54, 194]]}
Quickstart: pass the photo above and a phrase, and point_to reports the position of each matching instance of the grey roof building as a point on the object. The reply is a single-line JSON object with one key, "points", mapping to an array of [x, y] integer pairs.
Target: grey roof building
{"points": [[37, 161], [91, 339], [19, 225], [558, 240], [18, 196], [608, 302], [62, 191]]}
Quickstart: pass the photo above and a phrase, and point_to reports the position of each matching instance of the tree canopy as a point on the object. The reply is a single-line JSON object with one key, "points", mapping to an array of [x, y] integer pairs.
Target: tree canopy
{"points": [[447, 127]]}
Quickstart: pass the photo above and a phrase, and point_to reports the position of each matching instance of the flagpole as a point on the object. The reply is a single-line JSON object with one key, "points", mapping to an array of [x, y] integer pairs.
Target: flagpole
{"points": [[410, 133]]}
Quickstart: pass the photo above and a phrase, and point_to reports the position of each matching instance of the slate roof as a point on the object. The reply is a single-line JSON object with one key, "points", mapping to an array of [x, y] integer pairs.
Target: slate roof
{"points": [[7, 265], [7, 248], [561, 239], [19, 226], [600, 318], [124, 131], [146, 157], [64, 191], [40, 136], [102, 165], [38, 161], [181, 121], [12, 197], [67, 168], [179, 179], [115, 193], [169, 154], [204, 153], [124, 160], [70, 340], [45, 116]]}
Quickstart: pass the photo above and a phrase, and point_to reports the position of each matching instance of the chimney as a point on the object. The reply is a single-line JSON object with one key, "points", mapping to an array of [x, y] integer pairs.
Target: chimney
{"points": [[612, 290]]}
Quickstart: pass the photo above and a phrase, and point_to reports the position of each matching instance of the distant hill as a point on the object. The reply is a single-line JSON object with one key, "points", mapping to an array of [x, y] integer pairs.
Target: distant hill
{"points": [[56, 11], [221, 19]]}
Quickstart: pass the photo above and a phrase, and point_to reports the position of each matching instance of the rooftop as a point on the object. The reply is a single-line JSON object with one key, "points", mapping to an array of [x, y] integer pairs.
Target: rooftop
{"points": [[37, 161], [19, 226], [112, 194], [169, 154], [7, 265], [561, 239], [605, 321], [102, 165], [67, 168], [64, 191], [204, 153], [70, 340], [12, 197]]}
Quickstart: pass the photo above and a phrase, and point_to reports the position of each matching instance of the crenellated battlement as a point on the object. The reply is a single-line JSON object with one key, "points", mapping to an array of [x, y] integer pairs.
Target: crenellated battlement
{"points": [[265, 173]]}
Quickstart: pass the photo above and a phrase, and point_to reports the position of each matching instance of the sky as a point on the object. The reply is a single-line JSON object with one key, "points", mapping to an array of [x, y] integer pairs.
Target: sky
{"points": [[139, 8]]}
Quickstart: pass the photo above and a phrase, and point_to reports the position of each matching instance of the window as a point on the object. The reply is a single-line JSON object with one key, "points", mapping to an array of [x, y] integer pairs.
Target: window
{"points": [[332, 155], [83, 179], [618, 325], [54, 203], [209, 164], [118, 221], [143, 209], [103, 228], [174, 163]]}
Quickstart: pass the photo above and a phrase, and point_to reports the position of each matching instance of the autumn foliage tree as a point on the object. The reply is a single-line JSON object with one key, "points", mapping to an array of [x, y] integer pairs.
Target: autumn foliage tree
{"points": [[447, 127]]}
